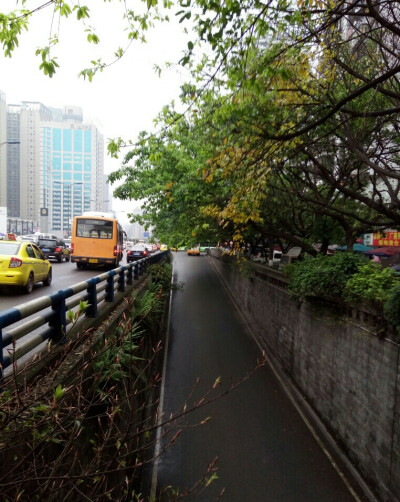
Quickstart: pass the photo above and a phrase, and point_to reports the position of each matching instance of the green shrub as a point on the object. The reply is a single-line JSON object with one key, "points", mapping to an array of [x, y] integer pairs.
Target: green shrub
{"points": [[160, 275], [323, 276], [392, 306], [370, 285]]}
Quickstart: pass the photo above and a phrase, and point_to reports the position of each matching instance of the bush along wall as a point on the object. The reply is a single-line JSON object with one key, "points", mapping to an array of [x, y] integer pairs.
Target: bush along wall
{"points": [[349, 279], [89, 436]]}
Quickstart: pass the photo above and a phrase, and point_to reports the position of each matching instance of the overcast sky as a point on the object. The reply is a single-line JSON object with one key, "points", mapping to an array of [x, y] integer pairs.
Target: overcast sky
{"points": [[125, 98]]}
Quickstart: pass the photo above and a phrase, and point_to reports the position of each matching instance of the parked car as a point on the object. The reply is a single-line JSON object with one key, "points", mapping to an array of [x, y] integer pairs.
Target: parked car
{"points": [[137, 252], [205, 246], [178, 248], [23, 264], [396, 269], [55, 249]]}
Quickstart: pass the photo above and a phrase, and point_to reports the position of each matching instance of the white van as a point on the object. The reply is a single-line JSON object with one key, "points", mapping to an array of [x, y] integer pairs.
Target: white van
{"points": [[276, 258]]}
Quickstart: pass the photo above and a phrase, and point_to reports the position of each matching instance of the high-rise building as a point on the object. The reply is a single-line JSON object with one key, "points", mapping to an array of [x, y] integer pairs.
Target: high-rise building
{"points": [[3, 150], [32, 114], [72, 168], [13, 160], [107, 196], [51, 164]]}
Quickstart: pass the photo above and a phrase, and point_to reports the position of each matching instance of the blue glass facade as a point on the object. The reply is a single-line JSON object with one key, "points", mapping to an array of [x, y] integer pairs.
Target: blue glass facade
{"points": [[67, 190], [57, 140], [88, 141], [78, 143]]}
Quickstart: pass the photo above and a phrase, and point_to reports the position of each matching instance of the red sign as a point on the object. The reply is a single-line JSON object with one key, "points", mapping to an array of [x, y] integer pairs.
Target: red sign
{"points": [[386, 239]]}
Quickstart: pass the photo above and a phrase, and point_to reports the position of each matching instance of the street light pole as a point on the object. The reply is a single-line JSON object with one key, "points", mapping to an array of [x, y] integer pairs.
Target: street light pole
{"points": [[71, 205]]}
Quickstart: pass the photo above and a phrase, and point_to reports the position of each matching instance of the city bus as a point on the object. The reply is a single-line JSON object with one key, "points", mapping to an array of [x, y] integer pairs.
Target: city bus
{"points": [[97, 240]]}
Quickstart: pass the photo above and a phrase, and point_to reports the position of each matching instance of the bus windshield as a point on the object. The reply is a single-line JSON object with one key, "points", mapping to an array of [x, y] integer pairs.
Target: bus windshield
{"points": [[95, 229]]}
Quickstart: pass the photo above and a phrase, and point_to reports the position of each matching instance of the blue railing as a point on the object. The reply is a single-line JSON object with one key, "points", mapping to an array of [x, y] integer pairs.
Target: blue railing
{"points": [[52, 323]]}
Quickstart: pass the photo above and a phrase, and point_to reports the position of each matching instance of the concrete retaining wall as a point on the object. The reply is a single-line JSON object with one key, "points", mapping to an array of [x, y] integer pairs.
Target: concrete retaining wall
{"points": [[349, 375]]}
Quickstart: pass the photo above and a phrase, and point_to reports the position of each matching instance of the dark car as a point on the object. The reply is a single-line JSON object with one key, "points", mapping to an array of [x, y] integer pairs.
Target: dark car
{"points": [[54, 248], [136, 252]]}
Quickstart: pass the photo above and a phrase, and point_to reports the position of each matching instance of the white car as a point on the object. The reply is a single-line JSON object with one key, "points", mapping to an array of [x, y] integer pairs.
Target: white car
{"points": [[151, 248]]}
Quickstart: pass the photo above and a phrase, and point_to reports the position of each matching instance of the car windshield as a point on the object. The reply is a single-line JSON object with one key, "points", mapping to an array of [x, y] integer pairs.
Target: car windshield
{"points": [[138, 247], [47, 242], [9, 248]]}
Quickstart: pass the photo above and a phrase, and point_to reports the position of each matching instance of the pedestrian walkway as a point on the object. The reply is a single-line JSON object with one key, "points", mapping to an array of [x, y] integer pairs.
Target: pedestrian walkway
{"points": [[258, 446]]}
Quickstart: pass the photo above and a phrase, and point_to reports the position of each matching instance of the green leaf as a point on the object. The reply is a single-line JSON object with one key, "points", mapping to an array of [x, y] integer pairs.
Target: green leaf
{"points": [[82, 11], [93, 38], [63, 8], [58, 393]]}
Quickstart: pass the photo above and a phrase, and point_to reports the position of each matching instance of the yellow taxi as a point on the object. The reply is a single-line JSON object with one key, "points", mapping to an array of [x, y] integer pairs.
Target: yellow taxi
{"points": [[23, 264]]}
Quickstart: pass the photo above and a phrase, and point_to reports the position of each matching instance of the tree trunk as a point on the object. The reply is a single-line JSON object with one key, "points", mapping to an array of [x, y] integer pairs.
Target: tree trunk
{"points": [[350, 240]]}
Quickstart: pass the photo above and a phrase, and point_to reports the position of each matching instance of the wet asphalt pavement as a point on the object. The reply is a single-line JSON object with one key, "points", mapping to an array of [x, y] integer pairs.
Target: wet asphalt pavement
{"points": [[264, 451]]}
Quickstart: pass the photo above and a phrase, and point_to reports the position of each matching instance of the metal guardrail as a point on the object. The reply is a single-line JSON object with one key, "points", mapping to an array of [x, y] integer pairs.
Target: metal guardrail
{"points": [[52, 324]]}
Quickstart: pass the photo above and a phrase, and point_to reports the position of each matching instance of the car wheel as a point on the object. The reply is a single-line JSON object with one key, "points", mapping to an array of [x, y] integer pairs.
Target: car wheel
{"points": [[29, 285], [79, 266], [68, 258], [59, 258], [48, 279]]}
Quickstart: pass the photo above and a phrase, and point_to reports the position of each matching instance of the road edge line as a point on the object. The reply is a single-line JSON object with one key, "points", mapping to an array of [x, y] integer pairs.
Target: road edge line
{"points": [[157, 449]]}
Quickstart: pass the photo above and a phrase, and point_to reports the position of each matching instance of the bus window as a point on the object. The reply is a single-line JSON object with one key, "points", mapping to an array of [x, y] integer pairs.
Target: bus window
{"points": [[94, 228]]}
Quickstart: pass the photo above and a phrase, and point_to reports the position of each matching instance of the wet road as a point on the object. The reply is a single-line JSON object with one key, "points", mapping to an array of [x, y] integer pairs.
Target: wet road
{"points": [[264, 451], [64, 274]]}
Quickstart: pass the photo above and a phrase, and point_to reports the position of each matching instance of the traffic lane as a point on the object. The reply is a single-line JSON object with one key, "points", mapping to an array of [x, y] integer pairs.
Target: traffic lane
{"points": [[265, 451], [64, 275]]}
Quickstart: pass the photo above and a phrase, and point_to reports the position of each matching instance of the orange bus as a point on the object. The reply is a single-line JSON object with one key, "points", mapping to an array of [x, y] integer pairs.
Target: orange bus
{"points": [[96, 239]]}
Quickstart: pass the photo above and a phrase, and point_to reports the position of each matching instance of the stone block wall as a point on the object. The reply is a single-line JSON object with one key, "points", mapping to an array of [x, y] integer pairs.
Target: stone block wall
{"points": [[350, 376]]}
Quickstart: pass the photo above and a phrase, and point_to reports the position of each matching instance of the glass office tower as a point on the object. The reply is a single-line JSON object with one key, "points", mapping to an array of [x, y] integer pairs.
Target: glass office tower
{"points": [[72, 159]]}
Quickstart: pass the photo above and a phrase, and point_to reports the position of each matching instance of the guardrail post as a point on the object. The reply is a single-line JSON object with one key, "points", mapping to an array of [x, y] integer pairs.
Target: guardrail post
{"points": [[92, 310], [7, 317], [121, 280], [59, 322], [129, 277], [1, 354], [110, 287], [136, 272], [140, 265]]}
